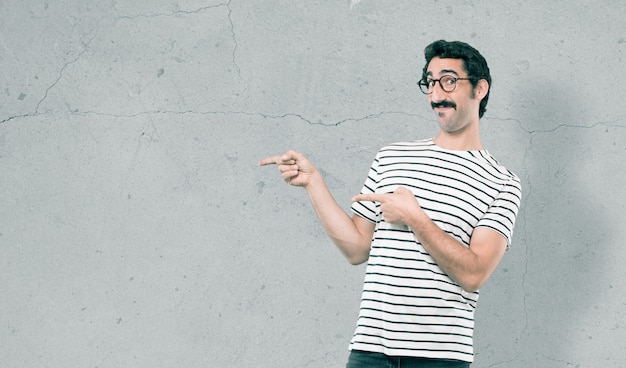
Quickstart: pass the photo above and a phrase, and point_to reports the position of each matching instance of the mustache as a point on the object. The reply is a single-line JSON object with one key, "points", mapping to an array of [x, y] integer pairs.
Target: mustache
{"points": [[434, 105]]}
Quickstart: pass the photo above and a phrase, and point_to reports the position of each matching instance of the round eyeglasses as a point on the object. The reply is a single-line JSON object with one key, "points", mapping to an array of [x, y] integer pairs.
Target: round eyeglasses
{"points": [[447, 83]]}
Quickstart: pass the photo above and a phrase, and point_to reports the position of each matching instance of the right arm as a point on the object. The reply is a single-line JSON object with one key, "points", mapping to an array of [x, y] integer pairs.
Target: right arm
{"points": [[352, 235]]}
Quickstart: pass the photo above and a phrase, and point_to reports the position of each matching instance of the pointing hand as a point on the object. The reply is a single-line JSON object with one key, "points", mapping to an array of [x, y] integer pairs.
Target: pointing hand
{"points": [[295, 169], [398, 207]]}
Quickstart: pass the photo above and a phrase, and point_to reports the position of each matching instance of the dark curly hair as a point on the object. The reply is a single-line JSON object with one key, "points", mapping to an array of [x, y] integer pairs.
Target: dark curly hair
{"points": [[474, 63]]}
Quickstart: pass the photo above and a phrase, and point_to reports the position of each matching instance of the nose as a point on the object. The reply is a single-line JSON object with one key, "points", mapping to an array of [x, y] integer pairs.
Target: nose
{"points": [[438, 94]]}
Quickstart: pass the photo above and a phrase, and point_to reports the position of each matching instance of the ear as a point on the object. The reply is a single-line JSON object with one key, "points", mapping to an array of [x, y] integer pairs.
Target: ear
{"points": [[481, 89]]}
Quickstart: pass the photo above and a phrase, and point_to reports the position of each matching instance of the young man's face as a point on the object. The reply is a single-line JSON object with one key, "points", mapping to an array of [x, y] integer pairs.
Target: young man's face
{"points": [[458, 109]]}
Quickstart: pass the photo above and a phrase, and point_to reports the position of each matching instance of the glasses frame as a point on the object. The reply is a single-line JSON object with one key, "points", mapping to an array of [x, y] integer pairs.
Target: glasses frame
{"points": [[424, 85]]}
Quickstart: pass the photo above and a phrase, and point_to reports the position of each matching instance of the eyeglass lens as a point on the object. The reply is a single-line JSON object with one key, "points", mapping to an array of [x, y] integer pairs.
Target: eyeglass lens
{"points": [[447, 83]]}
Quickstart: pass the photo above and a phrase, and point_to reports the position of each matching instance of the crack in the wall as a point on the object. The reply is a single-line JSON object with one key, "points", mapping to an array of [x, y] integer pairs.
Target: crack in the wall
{"points": [[370, 116], [504, 362], [205, 8], [234, 36], [618, 123], [247, 113], [80, 55], [95, 32], [186, 112], [568, 364], [527, 190], [614, 123], [173, 13], [57, 80], [14, 117]]}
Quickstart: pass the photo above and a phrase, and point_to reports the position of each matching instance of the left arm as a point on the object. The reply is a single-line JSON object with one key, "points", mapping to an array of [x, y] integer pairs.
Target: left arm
{"points": [[469, 266]]}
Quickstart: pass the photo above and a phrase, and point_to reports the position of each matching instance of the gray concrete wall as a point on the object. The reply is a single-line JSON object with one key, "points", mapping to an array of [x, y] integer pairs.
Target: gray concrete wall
{"points": [[136, 229]]}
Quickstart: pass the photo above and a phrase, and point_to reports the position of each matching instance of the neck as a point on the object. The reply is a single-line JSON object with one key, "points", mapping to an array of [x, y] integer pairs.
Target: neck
{"points": [[466, 141]]}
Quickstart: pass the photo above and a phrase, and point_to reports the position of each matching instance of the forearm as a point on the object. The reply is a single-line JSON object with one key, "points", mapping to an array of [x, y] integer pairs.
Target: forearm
{"points": [[459, 262], [351, 235], [340, 227]]}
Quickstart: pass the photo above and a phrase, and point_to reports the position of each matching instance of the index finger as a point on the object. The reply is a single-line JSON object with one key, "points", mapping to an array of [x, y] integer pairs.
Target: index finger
{"points": [[369, 197], [273, 160]]}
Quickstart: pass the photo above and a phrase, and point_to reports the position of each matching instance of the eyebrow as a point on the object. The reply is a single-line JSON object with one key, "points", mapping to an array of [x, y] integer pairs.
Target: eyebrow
{"points": [[444, 71]]}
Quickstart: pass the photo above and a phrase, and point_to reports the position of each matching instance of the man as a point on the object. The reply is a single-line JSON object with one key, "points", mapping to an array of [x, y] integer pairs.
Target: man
{"points": [[433, 220]]}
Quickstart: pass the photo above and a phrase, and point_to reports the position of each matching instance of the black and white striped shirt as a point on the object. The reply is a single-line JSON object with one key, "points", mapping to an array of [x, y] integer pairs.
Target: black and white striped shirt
{"points": [[409, 306]]}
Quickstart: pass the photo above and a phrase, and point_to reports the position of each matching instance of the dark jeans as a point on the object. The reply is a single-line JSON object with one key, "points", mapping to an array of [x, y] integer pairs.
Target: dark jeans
{"points": [[363, 359]]}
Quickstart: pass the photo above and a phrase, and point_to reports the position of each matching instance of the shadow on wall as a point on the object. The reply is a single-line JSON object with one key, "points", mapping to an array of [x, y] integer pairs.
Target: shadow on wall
{"points": [[568, 236]]}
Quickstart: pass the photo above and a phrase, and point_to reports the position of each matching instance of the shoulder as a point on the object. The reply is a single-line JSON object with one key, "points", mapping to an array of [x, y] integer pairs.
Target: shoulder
{"points": [[498, 170]]}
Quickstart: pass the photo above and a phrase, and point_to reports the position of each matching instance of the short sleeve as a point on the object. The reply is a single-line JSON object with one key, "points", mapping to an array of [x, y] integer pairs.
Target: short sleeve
{"points": [[502, 213]]}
